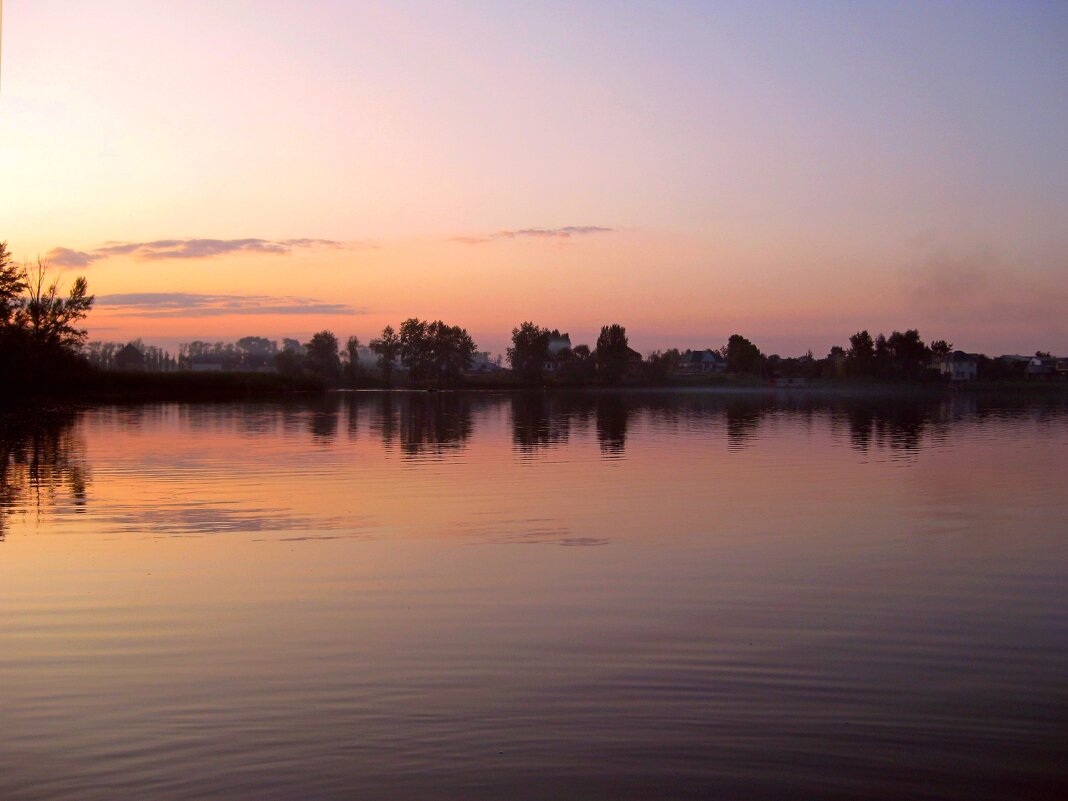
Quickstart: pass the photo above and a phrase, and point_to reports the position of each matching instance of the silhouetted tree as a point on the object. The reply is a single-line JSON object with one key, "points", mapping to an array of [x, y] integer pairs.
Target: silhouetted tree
{"points": [[861, 354], [907, 352], [743, 357], [579, 368], [882, 354], [452, 350], [941, 348], [256, 351], [12, 285], [290, 363], [52, 319], [435, 350], [659, 367], [387, 345], [613, 351], [415, 347], [322, 356], [861, 346], [352, 360], [529, 351], [102, 354]]}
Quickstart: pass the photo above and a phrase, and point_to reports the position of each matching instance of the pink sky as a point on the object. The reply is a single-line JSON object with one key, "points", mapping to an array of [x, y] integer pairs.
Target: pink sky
{"points": [[787, 171]]}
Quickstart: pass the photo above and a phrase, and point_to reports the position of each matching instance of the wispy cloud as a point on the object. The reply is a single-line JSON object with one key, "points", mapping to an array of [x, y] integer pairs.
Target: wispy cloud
{"points": [[188, 304], [161, 249], [65, 257], [207, 248], [565, 232]]}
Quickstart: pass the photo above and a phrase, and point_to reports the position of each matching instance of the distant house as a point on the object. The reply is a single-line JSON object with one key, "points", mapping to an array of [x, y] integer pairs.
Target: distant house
{"points": [[223, 361], [215, 362], [559, 350], [958, 365], [634, 364], [1012, 359], [483, 362], [702, 362], [1041, 367], [130, 358]]}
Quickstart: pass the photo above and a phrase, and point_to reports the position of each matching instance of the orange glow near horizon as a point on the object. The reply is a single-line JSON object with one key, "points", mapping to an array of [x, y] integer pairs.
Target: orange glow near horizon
{"points": [[687, 172]]}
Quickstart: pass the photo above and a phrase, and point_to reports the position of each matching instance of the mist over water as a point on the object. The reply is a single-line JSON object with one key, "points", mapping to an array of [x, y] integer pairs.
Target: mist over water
{"points": [[477, 595]]}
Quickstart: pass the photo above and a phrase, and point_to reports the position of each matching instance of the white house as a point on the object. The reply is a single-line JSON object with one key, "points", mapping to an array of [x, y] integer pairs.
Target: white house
{"points": [[958, 365], [483, 362], [557, 345], [1041, 367]]}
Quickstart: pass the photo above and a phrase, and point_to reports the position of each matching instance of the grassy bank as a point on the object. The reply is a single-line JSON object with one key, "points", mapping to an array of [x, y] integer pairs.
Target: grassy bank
{"points": [[92, 385], [112, 385]]}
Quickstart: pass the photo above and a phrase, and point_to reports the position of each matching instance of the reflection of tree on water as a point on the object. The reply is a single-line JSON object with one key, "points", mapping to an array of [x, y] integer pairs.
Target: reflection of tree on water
{"points": [[434, 422], [382, 420], [423, 422], [323, 418], [40, 460], [538, 422], [352, 417], [613, 416], [898, 425], [743, 419]]}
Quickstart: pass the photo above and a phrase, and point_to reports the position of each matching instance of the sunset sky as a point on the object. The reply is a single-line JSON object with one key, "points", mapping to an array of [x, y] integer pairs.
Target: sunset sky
{"points": [[791, 172]]}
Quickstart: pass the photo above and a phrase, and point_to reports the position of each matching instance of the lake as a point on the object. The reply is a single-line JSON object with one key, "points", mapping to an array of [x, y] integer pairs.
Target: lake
{"points": [[536, 596]]}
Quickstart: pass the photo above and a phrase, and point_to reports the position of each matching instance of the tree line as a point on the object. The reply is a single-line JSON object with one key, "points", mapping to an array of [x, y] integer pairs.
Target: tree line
{"points": [[431, 352], [40, 333]]}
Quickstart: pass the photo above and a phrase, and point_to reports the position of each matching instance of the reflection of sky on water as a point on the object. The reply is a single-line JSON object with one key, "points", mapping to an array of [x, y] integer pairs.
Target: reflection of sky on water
{"points": [[318, 465], [788, 596]]}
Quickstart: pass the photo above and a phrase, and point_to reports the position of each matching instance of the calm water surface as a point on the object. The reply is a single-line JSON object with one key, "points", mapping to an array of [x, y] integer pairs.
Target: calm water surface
{"points": [[674, 595]]}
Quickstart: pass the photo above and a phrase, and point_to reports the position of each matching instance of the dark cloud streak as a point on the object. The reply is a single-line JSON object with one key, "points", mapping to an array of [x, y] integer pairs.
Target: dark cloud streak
{"points": [[206, 248], [188, 304], [565, 232], [162, 249]]}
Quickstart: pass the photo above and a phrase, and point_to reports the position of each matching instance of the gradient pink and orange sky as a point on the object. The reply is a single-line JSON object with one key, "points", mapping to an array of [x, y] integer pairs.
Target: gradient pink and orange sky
{"points": [[789, 171]]}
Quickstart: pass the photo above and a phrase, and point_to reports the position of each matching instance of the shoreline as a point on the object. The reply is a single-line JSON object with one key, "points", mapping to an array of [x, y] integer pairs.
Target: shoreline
{"points": [[117, 387]]}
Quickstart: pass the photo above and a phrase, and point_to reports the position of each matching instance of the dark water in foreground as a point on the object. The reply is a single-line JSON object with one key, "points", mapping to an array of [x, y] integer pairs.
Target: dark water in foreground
{"points": [[677, 595]]}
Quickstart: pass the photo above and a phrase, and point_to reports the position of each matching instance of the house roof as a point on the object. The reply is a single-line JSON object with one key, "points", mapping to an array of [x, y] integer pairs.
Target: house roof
{"points": [[705, 356]]}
